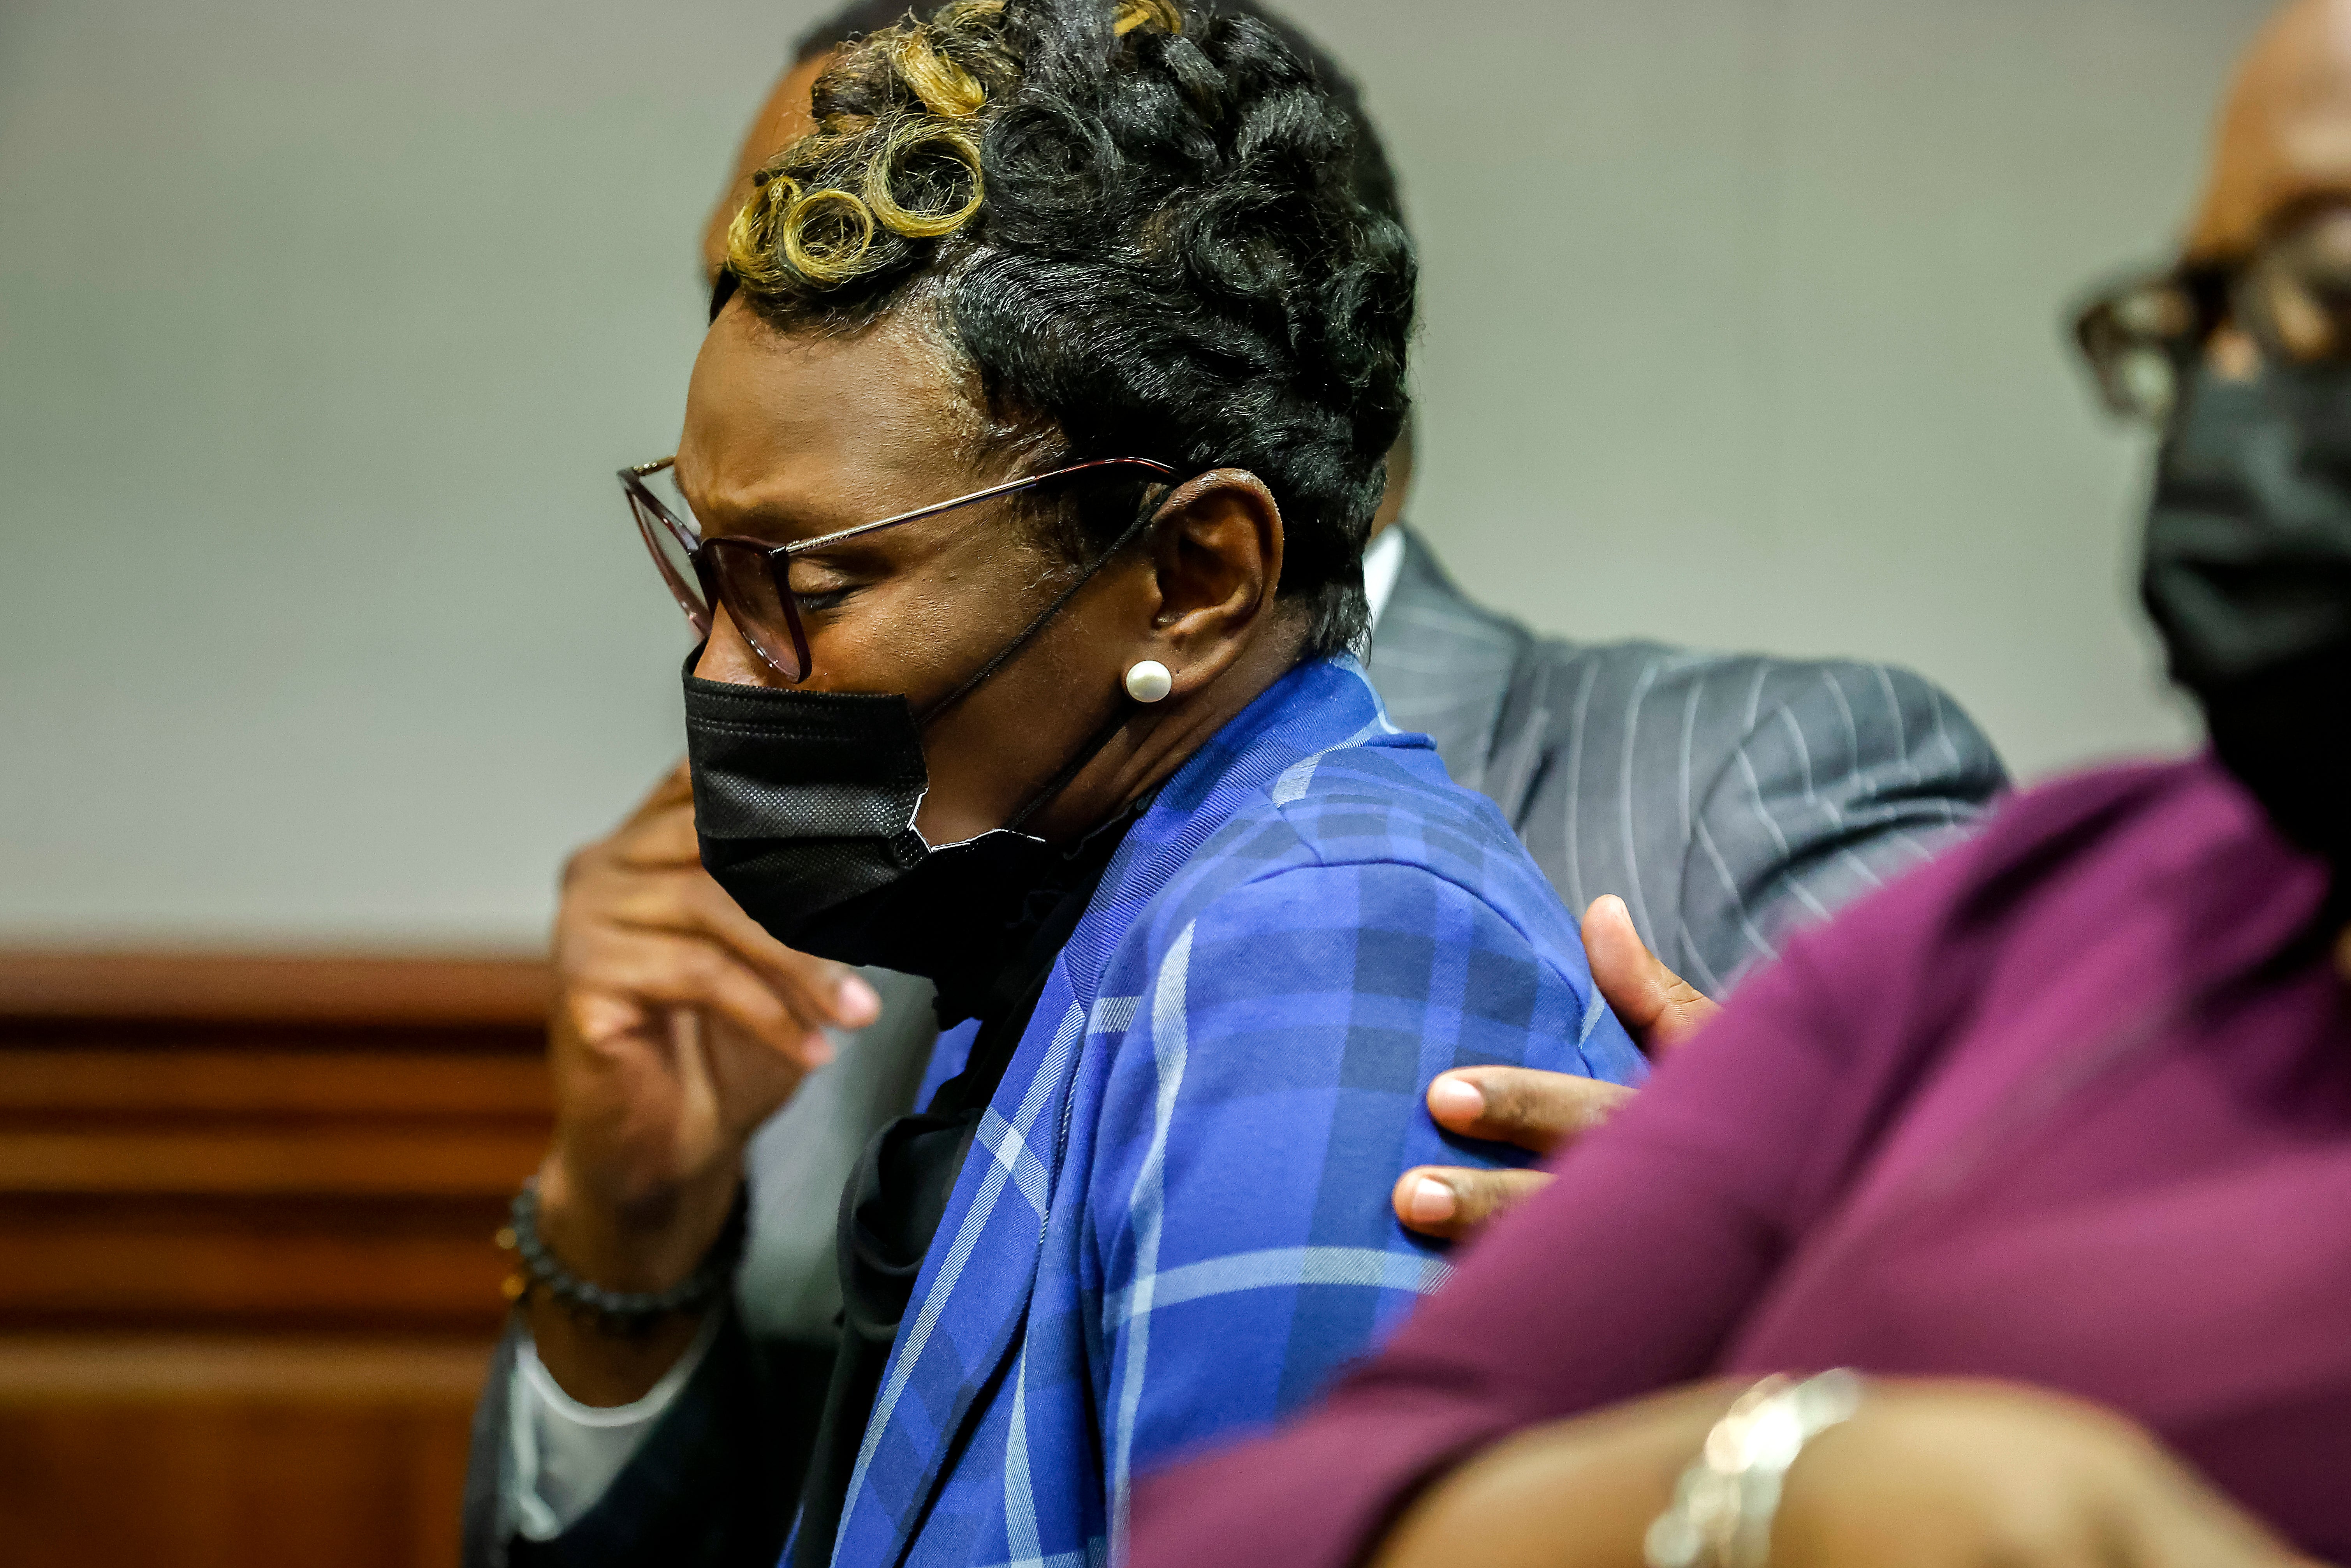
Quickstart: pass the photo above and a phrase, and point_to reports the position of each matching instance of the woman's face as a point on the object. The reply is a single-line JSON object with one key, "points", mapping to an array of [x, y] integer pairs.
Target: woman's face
{"points": [[788, 438]]}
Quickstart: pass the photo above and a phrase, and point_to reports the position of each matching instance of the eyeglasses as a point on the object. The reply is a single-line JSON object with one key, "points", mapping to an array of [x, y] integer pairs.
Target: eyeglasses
{"points": [[2144, 336], [752, 578]]}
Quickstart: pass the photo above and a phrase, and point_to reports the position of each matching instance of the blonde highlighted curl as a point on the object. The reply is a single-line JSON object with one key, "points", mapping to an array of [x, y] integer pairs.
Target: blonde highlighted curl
{"points": [[895, 153]]}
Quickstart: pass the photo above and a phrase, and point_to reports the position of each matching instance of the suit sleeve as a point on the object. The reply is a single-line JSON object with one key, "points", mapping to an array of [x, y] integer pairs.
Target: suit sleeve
{"points": [[1261, 1106], [1851, 776]]}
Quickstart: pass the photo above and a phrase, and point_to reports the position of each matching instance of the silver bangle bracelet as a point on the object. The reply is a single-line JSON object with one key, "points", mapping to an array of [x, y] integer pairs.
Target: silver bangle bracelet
{"points": [[1724, 1504]]}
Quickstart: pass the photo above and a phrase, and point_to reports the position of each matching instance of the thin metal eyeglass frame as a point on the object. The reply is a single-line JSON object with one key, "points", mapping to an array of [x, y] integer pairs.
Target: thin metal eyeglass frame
{"points": [[644, 502]]}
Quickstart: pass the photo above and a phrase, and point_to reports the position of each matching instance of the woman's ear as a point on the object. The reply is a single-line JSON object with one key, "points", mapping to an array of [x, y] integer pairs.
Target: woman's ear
{"points": [[1216, 556]]}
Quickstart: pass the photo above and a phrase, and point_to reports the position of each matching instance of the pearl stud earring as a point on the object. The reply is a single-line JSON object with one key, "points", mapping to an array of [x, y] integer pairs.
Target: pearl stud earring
{"points": [[1148, 681]]}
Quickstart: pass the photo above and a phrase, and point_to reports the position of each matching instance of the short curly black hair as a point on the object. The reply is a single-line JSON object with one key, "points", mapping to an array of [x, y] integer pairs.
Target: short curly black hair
{"points": [[1374, 176], [1137, 225]]}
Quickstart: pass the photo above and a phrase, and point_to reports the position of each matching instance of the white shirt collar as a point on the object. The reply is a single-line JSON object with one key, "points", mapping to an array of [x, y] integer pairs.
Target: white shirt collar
{"points": [[1382, 562]]}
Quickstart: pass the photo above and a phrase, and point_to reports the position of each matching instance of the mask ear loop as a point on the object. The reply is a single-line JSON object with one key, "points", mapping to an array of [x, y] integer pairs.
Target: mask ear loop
{"points": [[1117, 720], [1060, 781], [1142, 520]]}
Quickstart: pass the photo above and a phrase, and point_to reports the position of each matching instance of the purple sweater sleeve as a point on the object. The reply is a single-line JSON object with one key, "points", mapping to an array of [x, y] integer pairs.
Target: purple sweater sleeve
{"points": [[1625, 1276]]}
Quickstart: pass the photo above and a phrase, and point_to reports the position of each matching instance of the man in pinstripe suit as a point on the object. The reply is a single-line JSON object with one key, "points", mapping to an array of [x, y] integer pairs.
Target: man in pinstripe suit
{"points": [[1696, 805], [1723, 798]]}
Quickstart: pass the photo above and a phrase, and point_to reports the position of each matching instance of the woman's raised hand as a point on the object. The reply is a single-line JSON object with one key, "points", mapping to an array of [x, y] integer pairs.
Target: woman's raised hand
{"points": [[679, 1027]]}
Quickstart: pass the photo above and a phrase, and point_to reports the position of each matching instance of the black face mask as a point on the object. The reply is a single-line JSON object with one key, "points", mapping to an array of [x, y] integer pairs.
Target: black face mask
{"points": [[2248, 575], [804, 803]]}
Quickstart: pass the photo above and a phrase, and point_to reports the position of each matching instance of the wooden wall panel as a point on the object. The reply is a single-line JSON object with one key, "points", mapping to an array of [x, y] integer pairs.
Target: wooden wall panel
{"points": [[247, 1283]]}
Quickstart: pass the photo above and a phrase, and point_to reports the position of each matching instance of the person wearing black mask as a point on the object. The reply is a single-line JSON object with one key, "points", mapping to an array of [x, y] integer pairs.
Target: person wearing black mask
{"points": [[2248, 570], [2050, 1143], [661, 969], [1019, 506]]}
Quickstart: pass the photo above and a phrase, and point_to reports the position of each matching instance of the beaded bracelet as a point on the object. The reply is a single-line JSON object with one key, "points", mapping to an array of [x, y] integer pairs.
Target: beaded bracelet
{"points": [[615, 1312]]}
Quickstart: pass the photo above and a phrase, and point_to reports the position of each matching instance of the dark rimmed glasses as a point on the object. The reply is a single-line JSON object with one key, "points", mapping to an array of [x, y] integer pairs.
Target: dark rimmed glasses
{"points": [[2292, 296], [752, 578]]}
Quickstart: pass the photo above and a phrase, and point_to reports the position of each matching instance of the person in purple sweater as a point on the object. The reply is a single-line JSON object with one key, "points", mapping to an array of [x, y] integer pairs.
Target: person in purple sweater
{"points": [[2049, 1143]]}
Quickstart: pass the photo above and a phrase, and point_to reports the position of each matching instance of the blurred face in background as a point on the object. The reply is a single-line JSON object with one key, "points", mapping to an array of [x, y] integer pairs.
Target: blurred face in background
{"points": [[2241, 354]]}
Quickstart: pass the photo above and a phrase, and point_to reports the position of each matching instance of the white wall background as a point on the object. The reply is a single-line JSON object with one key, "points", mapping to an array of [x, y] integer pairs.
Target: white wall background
{"points": [[323, 326]]}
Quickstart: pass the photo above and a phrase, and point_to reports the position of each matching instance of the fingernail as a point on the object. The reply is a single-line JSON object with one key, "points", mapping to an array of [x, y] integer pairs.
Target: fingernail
{"points": [[1432, 1202], [1454, 1099], [816, 1050], [856, 1004]]}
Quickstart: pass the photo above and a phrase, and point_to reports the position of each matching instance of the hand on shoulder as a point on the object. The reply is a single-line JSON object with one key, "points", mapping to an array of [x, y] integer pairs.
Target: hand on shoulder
{"points": [[1546, 1112]]}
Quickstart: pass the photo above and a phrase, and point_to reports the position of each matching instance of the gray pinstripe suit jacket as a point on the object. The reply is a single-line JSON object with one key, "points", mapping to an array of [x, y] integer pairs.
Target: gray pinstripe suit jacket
{"points": [[1725, 797]]}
